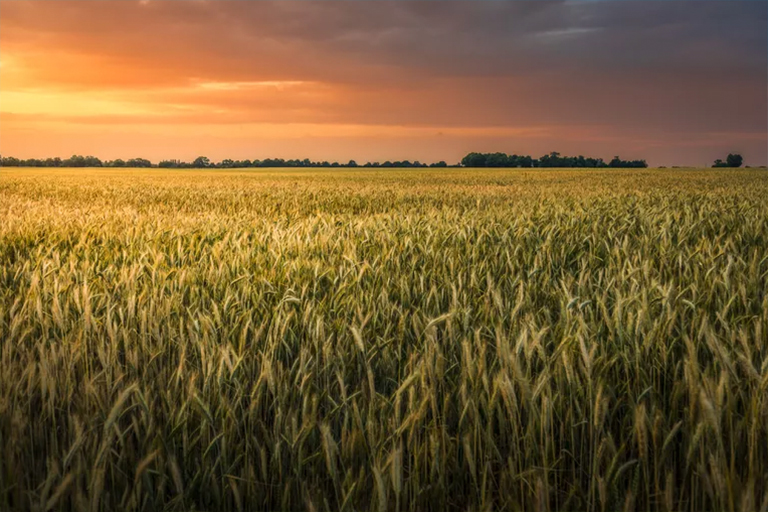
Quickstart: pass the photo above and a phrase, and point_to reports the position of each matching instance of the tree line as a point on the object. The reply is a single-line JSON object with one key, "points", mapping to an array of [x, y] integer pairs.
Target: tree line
{"points": [[74, 161], [733, 160], [473, 159], [200, 163], [553, 159]]}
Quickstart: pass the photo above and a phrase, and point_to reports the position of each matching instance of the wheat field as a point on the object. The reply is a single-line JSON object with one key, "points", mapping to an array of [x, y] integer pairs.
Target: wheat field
{"points": [[398, 340]]}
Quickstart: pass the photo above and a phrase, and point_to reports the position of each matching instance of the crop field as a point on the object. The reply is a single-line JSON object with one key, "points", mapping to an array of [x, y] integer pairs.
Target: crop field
{"points": [[399, 340]]}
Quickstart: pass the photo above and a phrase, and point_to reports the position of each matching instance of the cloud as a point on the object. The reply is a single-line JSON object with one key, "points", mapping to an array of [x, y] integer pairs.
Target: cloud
{"points": [[638, 70]]}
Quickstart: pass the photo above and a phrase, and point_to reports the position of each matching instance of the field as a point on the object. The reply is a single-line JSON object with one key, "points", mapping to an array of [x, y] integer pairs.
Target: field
{"points": [[538, 340]]}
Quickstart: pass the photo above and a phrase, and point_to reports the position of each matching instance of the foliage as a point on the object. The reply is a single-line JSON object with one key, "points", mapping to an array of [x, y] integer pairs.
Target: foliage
{"points": [[553, 159], [733, 160], [497, 160], [390, 341], [201, 162]]}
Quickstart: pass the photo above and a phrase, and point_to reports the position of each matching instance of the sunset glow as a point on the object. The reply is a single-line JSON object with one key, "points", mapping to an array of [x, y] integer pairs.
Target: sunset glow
{"points": [[380, 81]]}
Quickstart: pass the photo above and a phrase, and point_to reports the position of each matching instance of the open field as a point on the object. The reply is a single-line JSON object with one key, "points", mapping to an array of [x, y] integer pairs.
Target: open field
{"points": [[539, 340]]}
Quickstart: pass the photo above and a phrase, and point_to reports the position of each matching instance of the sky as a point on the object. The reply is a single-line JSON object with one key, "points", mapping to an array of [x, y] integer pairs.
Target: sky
{"points": [[674, 82]]}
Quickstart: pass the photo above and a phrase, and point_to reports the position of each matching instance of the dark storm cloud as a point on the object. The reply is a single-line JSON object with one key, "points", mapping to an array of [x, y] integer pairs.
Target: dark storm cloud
{"points": [[455, 38], [459, 38]]}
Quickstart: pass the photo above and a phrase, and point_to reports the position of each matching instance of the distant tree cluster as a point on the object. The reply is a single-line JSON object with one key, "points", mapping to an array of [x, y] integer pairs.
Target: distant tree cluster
{"points": [[733, 160], [133, 162], [203, 162], [200, 162], [553, 159], [496, 160], [73, 161]]}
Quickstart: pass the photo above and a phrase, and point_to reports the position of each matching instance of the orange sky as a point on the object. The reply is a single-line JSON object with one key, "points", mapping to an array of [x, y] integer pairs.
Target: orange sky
{"points": [[382, 80]]}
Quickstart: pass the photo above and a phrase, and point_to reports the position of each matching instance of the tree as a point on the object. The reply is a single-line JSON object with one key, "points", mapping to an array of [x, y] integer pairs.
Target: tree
{"points": [[474, 160], [497, 160], [553, 159], [75, 161], [734, 160], [138, 162], [201, 161], [525, 161], [618, 162]]}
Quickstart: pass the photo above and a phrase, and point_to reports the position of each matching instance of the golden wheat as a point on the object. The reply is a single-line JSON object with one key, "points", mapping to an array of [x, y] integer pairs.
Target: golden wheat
{"points": [[397, 340]]}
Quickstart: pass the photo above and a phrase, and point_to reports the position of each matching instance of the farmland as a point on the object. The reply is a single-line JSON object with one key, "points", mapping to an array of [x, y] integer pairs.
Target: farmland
{"points": [[460, 339]]}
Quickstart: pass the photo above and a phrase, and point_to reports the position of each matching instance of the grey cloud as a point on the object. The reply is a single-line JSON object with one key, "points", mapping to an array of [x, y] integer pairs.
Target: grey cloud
{"points": [[424, 39], [635, 67]]}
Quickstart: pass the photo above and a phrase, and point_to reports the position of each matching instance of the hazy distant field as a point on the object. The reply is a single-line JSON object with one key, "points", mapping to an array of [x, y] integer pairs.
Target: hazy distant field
{"points": [[563, 340]]}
